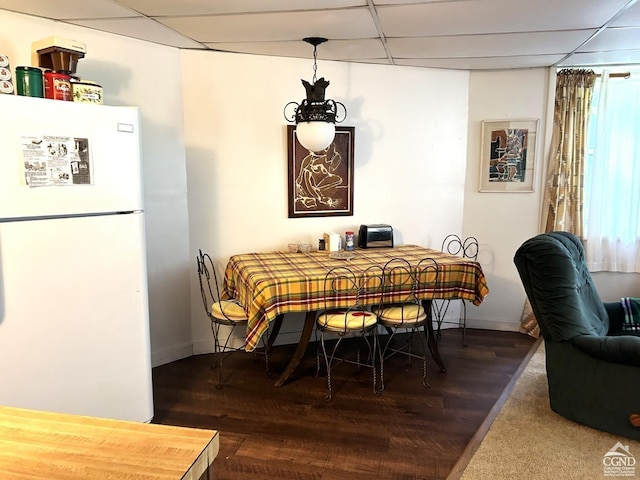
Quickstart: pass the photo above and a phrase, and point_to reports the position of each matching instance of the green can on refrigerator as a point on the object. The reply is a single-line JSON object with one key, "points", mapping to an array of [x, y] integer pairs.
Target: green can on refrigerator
{"points": [[29, 82]]}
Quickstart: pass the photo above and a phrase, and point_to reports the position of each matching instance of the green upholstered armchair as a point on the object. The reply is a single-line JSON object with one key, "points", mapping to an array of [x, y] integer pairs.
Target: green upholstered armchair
{"points": [[593, 367]]}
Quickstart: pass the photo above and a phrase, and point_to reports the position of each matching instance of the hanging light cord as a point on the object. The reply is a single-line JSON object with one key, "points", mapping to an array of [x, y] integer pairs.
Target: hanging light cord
{"points": [[315, 65]]}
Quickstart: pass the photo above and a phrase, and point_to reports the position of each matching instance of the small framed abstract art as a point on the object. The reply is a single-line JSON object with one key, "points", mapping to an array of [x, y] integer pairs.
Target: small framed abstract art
{"points": [[321, 183], [508, 156]]}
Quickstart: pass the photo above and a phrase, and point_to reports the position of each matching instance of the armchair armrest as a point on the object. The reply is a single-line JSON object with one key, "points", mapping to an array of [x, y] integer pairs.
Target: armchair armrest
{"points": [[623, 349], [616, 317]]}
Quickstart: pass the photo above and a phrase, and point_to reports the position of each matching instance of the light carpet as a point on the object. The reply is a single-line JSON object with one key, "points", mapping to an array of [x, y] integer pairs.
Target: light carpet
{"points": [[527, 440]]}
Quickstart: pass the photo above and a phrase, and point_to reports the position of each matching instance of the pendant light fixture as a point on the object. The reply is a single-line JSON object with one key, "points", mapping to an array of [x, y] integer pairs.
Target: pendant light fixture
{"points": [[315, 117]]}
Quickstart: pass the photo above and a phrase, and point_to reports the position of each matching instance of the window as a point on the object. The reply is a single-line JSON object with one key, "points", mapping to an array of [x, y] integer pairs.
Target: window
{"points": [[612, 175]]}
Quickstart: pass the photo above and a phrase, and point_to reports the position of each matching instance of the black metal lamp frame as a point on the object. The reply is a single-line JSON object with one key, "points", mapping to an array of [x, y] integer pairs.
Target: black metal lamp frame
{"points": [[314, 108]]}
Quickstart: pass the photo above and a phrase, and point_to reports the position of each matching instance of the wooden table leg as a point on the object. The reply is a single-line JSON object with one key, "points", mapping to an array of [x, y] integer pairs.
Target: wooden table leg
{"points": [[275, 329], [433, 343], [309, 320]]}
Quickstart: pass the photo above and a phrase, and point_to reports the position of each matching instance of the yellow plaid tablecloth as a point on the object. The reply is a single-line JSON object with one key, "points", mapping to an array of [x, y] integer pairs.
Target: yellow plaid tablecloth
{"points": [[272, 283]]}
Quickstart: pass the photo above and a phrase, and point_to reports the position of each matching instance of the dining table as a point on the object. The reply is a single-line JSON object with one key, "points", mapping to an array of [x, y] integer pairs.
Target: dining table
{"points": [[272, 284]]}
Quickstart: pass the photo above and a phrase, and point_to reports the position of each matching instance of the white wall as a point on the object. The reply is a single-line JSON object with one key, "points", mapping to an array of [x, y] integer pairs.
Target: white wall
{"points": [[613, 286], [502, 221], [410, 154], [146, 75]]}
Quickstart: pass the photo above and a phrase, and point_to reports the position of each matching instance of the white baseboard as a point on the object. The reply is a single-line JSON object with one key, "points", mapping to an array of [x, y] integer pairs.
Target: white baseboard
{"points": [[292, 336], [493, 325], [202, 347], [172, 354], [206, 346]]}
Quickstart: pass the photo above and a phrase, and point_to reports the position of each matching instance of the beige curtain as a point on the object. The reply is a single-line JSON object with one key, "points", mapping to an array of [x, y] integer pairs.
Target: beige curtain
{"points": [[564, 193], [565, 175]]}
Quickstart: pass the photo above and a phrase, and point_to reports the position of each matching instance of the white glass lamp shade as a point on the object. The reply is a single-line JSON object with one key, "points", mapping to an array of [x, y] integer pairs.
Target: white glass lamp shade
{"points": [[315, 136]]}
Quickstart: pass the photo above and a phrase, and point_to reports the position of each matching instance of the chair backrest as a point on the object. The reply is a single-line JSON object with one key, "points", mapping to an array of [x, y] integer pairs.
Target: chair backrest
{"points": [[209, 287], [399, 282], [405, 285], [560, 288], [426, 278], [352, 293], [455, 245]]}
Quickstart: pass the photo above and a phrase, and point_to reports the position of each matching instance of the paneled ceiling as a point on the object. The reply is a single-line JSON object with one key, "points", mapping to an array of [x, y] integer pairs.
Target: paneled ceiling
{"points": [[458, 34]]}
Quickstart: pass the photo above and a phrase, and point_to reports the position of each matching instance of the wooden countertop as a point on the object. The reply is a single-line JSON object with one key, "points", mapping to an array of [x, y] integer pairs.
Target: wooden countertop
{"points": [[52, 446]]}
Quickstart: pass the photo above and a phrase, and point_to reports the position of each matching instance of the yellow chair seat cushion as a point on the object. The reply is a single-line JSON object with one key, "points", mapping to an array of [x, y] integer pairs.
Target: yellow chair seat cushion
{"points": [[407, 313], [341, 320], [232, 311]]}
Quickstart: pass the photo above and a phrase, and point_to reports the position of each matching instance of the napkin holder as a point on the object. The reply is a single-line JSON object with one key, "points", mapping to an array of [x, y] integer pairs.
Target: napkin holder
{"points": [[332, 242]]}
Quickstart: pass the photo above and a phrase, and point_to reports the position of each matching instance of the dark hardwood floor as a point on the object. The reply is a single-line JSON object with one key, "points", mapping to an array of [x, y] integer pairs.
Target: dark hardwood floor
{"points": [[407, 432]]}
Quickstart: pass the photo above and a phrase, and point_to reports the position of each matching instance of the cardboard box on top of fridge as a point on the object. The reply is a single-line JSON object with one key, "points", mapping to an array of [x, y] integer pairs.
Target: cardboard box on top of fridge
{"points": [[331, 242]]}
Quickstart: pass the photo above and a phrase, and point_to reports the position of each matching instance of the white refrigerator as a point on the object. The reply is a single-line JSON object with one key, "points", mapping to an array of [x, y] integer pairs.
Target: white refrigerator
{"points": [[74, 315]]}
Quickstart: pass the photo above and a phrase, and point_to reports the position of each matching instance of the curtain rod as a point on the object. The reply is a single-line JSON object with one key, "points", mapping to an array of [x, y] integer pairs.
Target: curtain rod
{"points": [[617, 75], [583, 70]]}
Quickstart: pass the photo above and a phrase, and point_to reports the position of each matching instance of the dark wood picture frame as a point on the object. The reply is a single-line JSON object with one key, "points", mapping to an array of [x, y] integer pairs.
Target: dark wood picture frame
{"points": [[321, 184]]}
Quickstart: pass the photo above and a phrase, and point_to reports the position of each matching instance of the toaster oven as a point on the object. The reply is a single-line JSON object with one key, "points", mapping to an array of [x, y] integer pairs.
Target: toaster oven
{"points": [[375, 236]]}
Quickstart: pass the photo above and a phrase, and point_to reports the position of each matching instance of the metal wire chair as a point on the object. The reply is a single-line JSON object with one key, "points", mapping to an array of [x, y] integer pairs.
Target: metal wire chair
{"points": [[404, 312], [465, 248], [342, 286], [228, 313]]}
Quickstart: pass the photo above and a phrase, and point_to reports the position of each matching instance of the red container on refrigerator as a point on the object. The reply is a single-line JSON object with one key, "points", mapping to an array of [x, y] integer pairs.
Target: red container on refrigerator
{"points": [[57, 85]]}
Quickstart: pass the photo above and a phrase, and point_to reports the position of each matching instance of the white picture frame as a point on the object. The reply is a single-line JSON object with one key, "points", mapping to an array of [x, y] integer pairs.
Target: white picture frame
{"points": [[508, 155]]}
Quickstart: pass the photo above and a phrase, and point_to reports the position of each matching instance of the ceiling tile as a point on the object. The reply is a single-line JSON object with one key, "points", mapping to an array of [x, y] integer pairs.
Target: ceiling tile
{"points": [[625, 57], [208, 7], [332, 50], [629, 18], [438, 33], [494, 16], [614, 39], [140, 28], [378, 3], [499, 45], [483, 63], [338, 24], [65, 9]]}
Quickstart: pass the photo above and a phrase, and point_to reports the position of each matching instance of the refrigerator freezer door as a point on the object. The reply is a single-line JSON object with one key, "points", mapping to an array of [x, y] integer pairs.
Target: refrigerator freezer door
{"points": [[74, 328], [112, 138]]}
